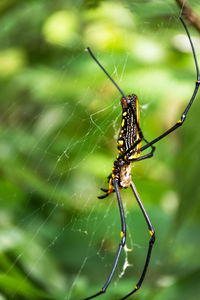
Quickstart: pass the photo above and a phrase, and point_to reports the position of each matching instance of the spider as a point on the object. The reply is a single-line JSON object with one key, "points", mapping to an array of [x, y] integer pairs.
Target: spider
{"points": [[130, 147]]}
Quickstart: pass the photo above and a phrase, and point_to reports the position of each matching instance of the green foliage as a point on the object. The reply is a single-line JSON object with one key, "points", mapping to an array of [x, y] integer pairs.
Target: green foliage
{"points": [[59, 121]]}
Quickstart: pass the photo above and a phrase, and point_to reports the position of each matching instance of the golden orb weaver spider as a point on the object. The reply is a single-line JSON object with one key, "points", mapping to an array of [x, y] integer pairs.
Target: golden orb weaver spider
{"points": [[129, 148]]}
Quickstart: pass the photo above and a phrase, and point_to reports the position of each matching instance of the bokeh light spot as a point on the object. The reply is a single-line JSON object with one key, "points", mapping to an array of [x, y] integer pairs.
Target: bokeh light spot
{"points": [[60, 28]]}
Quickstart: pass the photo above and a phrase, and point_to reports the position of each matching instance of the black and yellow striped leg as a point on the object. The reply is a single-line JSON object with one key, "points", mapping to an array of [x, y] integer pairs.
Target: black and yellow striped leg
{"points": [[151, 242], [121, 244]]}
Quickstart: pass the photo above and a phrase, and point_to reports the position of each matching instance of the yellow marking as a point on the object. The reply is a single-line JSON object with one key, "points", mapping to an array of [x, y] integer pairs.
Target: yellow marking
{"points": [[151, 232], [136, 155], [120, 143], [179, 121], [110, 185], [124, 114], [197, 81], [136, 287], [123, 122], [101, 290], [122, 234], [138, 111], [117, 156]]}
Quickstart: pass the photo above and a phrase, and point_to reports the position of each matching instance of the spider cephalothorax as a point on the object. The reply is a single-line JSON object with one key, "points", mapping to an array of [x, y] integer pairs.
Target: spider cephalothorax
{"points": [[122, 172], [125, 175]]}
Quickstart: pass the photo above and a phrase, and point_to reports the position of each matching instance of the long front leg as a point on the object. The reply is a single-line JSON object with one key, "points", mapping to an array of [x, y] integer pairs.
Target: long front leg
{"points": [[184, 114], [151, 242], [121, 244]]}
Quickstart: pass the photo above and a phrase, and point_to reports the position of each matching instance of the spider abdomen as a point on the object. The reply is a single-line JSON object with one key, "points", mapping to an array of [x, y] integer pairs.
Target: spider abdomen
{"points": [[129, 134]]}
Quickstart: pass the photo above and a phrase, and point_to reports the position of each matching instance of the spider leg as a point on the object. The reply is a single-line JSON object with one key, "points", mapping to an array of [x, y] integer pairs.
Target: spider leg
{"points": [[151, 242], [178, 123], [184, 114], [149, 155], [106, 195], [106, 190], [121, 92], [121, 244]]}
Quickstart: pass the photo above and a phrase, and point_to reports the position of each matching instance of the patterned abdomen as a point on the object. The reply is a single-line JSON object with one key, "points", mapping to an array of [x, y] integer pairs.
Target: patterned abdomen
{"points": [[129, 134]]}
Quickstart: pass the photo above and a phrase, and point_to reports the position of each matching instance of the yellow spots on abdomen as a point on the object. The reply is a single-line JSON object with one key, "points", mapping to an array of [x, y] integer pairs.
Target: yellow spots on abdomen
{"points": [[120, 143]]}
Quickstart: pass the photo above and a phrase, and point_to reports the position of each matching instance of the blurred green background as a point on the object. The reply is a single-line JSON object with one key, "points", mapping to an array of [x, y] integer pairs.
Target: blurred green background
{"points": [[59, 121]]}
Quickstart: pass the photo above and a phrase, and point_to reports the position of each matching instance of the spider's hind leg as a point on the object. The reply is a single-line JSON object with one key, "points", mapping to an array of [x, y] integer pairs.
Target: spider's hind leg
{"points": [[121, 243], [151, 243]]}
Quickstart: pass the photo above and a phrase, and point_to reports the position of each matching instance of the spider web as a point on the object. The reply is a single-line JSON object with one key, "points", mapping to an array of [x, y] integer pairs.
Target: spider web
{"points": [[59, 145]]}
